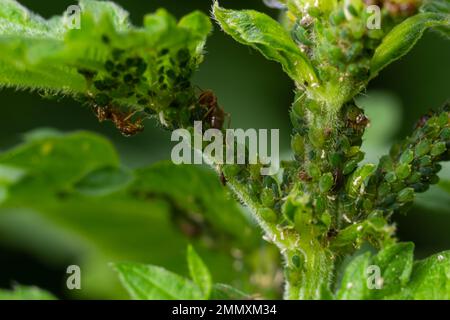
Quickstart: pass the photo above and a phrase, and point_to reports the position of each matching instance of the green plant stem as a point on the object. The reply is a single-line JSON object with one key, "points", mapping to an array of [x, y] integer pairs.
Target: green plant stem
{"points": [[311, 279]]}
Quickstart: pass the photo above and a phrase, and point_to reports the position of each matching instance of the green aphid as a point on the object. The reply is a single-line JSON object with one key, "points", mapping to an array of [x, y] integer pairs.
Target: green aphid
{"points": [[300, 35], [407, 157], [171, 74], [102, 99], [406, 195], [88, 74], [314, 12], [359, 178], [357, 30], [183, 55], [335, 54], [128, 78], [384, 189], [422, 148], [164, 52], [352, 10], [326, 182], [414, 178], [390, 177], [434, 179], [267, 197], [425, 161], [403, 171], [321, 204], [106, 39], [143, 101], [109, 65], [354, 51], [445, 134], [338, 17], [268, 215], [420, 187], [444, 119], [313, 171], [336, 159], [141, 68], [298, 145], [296, 261], [316, 137], [438, 149], [350, 166]]}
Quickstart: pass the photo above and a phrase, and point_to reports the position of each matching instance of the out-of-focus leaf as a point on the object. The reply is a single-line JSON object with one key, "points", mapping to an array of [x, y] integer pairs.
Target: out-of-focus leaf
{"points": [[199, 272], [403, 37], [64, 201], [384, 112], [438, 6], [266, 35], [226, 292], [147, 282], [25, 293], [104, 181]]}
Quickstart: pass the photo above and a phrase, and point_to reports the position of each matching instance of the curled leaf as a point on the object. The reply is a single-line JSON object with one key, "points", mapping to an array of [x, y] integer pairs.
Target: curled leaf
{"points": [[266, 35], [403, 38]]}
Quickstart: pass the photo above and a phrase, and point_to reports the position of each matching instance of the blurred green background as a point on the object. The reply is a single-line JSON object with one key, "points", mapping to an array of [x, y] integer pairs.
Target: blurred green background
{"points": [[257, 94]]}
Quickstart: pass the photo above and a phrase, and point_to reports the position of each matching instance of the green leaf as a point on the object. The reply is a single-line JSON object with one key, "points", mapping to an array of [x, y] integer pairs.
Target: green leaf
{"points": [[354, 281], [199, 272], [403, 37], [266, 35], [226, 292], [104, 181], [67, 195], [430, 278], [395, 263], [106, 62], [438, 6], [26, 293], [147, 282]]}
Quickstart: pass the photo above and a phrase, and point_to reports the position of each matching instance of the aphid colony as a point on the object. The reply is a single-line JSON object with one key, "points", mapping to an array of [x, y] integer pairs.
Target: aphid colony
{"points": [[342, 45], [134, 86]]}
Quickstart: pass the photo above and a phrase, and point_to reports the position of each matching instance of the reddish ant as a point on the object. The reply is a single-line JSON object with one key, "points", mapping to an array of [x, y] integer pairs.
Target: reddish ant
{"points": [[121, 120], [215, 115]]}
